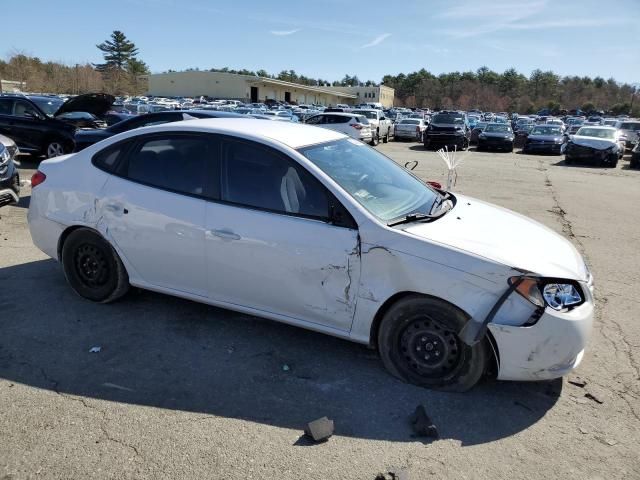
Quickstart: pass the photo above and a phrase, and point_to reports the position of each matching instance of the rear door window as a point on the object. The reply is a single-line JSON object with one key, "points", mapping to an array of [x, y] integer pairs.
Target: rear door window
{"points": [[6, 106], [180, 162]]}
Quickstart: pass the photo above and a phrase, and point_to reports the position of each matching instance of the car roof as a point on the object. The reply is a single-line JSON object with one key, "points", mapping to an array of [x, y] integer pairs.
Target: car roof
{"points": [[293, 135], [338, 114]]}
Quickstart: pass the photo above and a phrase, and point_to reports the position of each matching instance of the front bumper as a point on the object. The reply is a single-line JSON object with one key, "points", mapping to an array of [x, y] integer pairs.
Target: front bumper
{"points": [[9, 184], [498, 143], [580, 152], [440, 139], [550, 348], [546, 147]]}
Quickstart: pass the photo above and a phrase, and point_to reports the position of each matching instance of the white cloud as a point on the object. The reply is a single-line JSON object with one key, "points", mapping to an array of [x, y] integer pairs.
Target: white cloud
{"points": [[376, 41], [282, 33]]}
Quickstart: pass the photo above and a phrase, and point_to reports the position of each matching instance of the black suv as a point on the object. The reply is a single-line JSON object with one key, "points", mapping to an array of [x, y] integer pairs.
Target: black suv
{"points": [[37, 123], [448, 128]]}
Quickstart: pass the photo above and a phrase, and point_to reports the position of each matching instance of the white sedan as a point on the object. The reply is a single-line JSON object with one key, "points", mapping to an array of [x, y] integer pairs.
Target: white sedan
{"points": [[307, 226]]}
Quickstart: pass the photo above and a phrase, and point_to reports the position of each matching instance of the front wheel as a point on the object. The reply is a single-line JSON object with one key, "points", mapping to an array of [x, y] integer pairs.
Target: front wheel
{"points": [[93, 268], [385, 139], [54, 148], [418, 342]]}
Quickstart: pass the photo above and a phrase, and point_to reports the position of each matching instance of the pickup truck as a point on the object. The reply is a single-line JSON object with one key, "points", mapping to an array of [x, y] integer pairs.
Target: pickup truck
{"points": [[381, 127]]}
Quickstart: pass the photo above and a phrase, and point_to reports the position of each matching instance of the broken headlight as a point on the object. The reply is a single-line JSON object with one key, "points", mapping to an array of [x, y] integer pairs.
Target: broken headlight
{"points": [[556, 294], [561, 295]]}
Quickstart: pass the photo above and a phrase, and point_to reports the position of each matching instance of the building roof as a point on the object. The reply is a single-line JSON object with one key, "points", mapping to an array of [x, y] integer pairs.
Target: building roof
{"points": [[293, 135], [309, 88]]}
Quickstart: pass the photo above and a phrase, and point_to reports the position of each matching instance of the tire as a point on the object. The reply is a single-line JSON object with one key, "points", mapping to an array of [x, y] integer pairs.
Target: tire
{"points": [[55, 148], [633, 163], [465, 144], [423, 324], [375, 139], [93, 268], [385, 139], [612, 161]]}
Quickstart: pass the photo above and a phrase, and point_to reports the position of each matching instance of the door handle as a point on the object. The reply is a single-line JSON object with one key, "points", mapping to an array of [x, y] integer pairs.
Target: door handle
{"points": [[225, 234]]}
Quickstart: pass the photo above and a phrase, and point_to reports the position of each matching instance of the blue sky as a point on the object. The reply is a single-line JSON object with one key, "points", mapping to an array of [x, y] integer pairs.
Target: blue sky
{"points": [[329, 38]]}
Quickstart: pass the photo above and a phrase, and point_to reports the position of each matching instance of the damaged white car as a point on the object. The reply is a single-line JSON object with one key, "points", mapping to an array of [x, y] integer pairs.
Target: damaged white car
{"points": [[306, 226]]}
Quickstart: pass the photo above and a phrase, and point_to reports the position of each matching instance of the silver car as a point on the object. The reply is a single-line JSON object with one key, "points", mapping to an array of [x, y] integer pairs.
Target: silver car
{"points": [[356, 126], [629, 131], [410, 128]]}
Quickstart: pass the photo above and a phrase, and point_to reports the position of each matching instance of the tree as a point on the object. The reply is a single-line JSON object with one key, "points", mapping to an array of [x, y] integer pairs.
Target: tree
{"points": [[121, 69], [117, 52]]}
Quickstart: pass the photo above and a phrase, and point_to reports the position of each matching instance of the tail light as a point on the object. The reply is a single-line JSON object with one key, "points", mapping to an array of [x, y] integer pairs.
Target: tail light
{"points": [[37, 178], [357, 126]]}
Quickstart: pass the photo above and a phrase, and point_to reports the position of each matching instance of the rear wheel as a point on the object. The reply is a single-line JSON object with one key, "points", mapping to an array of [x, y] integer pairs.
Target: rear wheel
{"points": [[633, 163], [418, 343], [54, 148], [385, 139], [93, 268]]}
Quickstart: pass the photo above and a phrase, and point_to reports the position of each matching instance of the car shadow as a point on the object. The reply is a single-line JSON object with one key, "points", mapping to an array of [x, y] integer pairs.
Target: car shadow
{"points": [[163, 352], [419, 146], [593, 166]]}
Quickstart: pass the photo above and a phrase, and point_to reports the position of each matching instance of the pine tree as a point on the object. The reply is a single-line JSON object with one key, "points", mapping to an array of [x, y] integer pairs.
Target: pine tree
{"points": [[117, 52]]}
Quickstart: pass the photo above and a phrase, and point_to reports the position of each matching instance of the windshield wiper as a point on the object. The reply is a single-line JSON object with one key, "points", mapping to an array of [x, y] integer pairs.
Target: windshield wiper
{"points": [[417, 217]]}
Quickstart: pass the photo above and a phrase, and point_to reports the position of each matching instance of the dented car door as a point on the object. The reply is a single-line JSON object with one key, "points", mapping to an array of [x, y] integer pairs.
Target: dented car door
{"points": [[269, 243]]}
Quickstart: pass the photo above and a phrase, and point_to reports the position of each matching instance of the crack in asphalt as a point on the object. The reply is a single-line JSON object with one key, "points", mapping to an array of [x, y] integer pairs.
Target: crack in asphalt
{"points": [[105, 433]]}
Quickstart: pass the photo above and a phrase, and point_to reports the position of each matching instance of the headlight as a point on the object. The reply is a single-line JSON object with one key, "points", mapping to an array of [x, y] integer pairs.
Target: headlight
{"points": [[543, 292], [559, 140], [482, 135], [5, 156], [561, 295]]}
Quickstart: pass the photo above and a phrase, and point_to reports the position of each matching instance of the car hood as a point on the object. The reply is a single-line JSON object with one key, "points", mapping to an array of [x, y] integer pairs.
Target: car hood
{"points": [[506, 237], [591, 142], [545, 138], [95, 103]]}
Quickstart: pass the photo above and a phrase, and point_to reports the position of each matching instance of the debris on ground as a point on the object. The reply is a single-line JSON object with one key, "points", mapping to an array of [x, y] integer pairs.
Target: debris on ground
{"points": [[422, 424], [578, 382], [591, 396], [393, 474], [584, 431], [607, 441], [578, 399], [286, 368], [95, 349], [320, 430]]}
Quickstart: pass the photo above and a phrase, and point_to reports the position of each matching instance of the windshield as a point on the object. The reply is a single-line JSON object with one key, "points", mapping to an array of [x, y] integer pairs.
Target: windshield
{"points": [[375, 181], [498, 128], [481, 125], [448, 118], [546, 130], [597, 132], [48, 105], [635, 126], [366, 113], [409, 122]]}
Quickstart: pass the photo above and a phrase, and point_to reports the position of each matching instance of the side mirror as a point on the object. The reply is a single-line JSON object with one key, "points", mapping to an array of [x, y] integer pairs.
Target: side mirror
{"points": [[31, 114], [383, 118]]}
